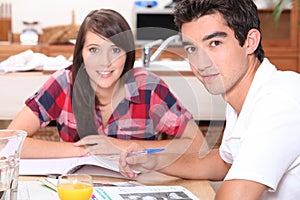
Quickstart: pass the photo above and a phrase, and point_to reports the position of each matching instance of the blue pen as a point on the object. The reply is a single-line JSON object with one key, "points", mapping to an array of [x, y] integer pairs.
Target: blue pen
{"points": [[146, 151]]}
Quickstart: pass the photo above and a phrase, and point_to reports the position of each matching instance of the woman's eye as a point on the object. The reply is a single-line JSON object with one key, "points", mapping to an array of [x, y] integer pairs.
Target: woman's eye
{"points": [[215, 43], [190, 49], [116, 50], [94, 50]]}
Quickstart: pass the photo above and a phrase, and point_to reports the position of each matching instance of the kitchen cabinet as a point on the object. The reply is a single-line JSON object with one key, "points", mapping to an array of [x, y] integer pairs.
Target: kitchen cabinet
{"points": [[281, 41], [15, 88], [12, 49], [49, 50], [67, 50]]}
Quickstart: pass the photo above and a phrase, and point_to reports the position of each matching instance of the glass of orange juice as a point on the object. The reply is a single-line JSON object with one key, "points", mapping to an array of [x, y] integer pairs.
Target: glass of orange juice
{"points": [[75, 186]]}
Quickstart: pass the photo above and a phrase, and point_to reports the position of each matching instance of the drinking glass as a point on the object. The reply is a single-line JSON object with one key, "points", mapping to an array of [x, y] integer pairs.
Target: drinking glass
{"points": [[11, 142], [75, 186]]}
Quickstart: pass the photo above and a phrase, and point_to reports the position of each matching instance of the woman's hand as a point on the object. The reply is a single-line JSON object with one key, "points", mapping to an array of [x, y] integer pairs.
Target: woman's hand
{"points": [[129, 165], [98, 144]]}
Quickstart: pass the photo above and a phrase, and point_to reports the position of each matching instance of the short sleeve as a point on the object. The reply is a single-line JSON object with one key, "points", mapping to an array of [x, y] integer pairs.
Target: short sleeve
{"points": [[268, 144], [48, 102]]}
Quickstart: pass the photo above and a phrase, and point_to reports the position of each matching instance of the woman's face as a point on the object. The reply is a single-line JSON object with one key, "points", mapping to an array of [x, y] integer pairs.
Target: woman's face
{"points": [[104, 61]]}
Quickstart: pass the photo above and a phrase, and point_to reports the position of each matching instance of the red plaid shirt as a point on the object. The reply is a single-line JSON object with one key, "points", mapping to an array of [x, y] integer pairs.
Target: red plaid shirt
{"points": [[148, 109]]}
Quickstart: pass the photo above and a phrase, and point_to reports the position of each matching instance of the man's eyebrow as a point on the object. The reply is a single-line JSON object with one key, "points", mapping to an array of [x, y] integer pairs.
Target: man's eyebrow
{"points": [[208, 37], [215, 34]]}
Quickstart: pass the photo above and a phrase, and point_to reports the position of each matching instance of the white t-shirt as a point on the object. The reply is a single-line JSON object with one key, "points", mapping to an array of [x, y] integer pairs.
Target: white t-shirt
{"points": [[263, 142]]}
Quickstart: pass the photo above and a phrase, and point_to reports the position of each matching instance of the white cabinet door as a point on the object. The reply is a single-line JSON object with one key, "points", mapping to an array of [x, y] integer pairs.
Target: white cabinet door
{"points": [[191, 92], [15, 89]]}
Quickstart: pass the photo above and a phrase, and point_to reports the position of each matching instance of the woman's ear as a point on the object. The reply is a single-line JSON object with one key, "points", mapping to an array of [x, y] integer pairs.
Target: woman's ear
{"points": [[252, 40]]}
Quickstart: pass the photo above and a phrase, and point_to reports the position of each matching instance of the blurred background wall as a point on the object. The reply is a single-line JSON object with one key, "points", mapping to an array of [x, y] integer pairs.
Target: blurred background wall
{"points": [[59, 12]]}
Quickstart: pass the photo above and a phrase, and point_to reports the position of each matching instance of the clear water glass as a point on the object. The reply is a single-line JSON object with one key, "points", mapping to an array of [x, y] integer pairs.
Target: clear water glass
{"points": [[11, 142]]}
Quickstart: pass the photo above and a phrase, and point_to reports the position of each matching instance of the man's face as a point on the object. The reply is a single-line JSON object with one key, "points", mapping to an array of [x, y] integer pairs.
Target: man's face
{"points": [[215, 56]]}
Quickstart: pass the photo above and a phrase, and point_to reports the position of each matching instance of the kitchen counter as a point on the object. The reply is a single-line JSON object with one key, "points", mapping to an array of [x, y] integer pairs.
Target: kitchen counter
{"points": [[67, 50]]}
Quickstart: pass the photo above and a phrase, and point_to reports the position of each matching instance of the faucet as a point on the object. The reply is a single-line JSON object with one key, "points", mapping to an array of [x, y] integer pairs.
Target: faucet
{"points": [[146, 52], [147, 48]]}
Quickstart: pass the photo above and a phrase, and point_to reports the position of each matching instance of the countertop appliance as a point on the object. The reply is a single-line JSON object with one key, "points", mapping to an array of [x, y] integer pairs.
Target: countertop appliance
{"points": [[151, 24]]}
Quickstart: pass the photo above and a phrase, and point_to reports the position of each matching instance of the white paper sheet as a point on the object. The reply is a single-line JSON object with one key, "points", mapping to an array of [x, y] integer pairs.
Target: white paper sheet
{"points": [[65, 165]]}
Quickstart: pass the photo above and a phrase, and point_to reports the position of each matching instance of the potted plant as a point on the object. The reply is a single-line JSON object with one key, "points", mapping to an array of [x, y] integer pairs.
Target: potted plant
{"points": [[279, 7]]}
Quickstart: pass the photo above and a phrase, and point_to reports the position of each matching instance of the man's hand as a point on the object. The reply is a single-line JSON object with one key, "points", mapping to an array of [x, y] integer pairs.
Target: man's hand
{"points": [[130, 165]]}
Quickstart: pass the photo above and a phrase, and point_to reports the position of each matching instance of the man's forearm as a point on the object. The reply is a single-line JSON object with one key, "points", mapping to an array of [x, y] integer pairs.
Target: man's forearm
{"points": [[193, 166]]}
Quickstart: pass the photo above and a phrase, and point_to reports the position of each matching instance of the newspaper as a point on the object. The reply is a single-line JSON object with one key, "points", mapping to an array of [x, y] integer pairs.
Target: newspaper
{"points": [[143, 193]]}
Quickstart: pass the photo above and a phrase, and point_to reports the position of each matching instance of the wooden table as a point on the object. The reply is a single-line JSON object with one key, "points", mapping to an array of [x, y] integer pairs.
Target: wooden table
{"points": [[201, 188]]}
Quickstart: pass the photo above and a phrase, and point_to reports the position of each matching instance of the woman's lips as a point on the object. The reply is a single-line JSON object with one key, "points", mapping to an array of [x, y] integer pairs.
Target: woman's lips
{"points": [[104, 72]]}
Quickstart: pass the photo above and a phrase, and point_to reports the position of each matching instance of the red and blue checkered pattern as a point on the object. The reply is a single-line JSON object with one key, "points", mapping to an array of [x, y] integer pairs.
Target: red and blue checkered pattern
{"points": [[148, 109]]}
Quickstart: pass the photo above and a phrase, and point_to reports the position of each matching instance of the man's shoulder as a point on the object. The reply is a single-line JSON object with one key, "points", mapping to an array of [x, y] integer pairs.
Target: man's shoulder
{"points": [[270, 78]]}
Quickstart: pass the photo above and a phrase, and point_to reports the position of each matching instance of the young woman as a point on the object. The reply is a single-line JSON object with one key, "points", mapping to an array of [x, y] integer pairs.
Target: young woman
{"points": [[101, 103]]}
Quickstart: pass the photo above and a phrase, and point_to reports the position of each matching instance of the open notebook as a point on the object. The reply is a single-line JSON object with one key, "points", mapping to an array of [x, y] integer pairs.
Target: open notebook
{"points": [[94, 165]]}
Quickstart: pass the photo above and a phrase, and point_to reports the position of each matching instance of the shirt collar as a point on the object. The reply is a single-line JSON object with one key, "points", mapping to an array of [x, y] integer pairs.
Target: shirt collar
{"points": [[261, 78], [264, 71]]}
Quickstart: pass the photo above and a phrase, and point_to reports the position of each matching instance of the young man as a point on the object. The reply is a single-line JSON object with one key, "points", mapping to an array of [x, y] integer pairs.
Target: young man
{"points": [[259, 154]]}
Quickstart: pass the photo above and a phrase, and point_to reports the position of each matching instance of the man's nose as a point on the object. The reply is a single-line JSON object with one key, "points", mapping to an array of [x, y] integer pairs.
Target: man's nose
{"points": [[202, 60]]}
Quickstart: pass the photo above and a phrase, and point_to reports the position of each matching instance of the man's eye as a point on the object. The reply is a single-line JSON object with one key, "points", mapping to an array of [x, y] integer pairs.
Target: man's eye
{"points": [[215, 43], [190, 49], [116, 50]]}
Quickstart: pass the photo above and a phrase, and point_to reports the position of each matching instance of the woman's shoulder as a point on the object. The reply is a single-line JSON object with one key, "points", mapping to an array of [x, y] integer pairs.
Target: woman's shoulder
{"points": [[62, 76], [65, 72]]}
